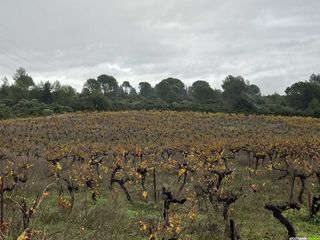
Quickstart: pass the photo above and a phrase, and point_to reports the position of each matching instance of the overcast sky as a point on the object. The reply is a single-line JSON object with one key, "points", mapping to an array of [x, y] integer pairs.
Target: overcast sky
{"points": [[271, 43]]}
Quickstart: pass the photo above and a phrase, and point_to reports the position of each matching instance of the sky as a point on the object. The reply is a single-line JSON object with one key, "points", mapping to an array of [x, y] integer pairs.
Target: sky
{"points": [[271, 43]]}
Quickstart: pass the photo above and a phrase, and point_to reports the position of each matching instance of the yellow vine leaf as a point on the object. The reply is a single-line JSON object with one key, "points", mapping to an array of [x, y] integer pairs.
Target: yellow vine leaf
{"points": [[25, 235], [269, 167], [58, 167], [143, 226], [182, 171], [145, 194]]}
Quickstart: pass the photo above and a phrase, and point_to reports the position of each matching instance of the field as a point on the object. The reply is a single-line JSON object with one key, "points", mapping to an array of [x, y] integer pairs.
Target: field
{"points": [[159, 175]]}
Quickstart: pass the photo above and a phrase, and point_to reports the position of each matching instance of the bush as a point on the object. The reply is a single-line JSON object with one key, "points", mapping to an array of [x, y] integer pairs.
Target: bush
{"points": [[4, 111]]}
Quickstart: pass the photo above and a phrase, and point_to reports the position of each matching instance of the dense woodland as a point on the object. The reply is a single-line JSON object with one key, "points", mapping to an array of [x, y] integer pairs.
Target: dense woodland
{"points": [[25, 98]]}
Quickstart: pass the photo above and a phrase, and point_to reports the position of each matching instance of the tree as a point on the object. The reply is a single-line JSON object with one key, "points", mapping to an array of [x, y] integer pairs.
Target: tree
{"points": [[22, 80], [171, 90], [63, 94], [91, 86], [5, 82], [92, 102], [315, 79], [100, 102], [314, 105], [202, 92], [4, 88], [36, 92], [300, 94], [126, 86], [108, 84], [274, 98], [133, 93], [235, 92], [46, 93], [4, 111], [234, 87], [254, 90], [146, 90]]}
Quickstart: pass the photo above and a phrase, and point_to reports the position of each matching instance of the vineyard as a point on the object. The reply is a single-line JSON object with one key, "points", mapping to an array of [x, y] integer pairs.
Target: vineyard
{"points": [[159, 175]]}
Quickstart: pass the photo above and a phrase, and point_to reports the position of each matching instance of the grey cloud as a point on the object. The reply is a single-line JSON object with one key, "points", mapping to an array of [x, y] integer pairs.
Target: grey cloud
{"points": [[271, 43]]}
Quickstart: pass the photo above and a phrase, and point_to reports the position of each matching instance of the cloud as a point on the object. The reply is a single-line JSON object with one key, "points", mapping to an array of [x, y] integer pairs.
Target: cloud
{"points": [[271, 43]]}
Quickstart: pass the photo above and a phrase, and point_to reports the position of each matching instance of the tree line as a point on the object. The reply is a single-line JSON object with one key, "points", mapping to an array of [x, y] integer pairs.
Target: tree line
{"points": [[25, 98]]}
